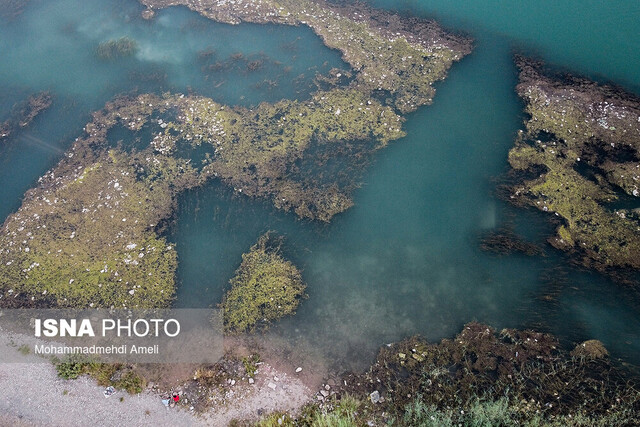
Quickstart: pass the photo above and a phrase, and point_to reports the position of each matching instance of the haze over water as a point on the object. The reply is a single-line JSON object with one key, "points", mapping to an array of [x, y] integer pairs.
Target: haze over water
{"points": [[405, 259]]}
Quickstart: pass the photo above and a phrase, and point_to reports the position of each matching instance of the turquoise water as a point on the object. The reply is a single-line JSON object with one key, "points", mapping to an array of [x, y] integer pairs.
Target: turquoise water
{"points": [[405, 259], [599, 39]]}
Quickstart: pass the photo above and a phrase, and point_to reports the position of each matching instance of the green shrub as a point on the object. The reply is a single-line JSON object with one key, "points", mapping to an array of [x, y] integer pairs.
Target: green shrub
{"points": [[131, 382], [72, 368]]}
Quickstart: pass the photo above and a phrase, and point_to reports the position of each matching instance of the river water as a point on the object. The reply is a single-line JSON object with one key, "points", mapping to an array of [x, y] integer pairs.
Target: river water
{"points": [[405, 259]]}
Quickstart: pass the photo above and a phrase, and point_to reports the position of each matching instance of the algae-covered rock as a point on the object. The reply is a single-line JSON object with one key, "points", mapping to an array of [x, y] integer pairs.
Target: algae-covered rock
{"points": [[583, 142], [265, 288]]}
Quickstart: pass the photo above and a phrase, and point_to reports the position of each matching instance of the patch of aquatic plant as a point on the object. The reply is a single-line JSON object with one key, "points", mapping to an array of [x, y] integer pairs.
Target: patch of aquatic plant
{"points": [[586, 138], [255, 149], [91, 241], [504, 242], [265, 288], [482, 378], [403, 56], [117, 48], [87, 236], [23, 113], [528, 367]]}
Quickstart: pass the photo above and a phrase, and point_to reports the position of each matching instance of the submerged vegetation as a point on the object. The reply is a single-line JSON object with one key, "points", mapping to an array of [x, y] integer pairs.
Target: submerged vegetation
{"points": [[256, 149], [505, 241], [265, 288], [90, 233], [116, 48], [87, 236], [395, 57], [580, 152], [23, 113]]}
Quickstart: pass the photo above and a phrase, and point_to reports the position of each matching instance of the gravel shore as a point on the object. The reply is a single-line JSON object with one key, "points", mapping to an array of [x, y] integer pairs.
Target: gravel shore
{"points": [[34, 395]]}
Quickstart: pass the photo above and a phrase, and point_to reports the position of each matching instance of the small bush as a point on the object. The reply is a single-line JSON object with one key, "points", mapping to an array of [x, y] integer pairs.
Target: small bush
{"points": [[71, 369], [131, 382]]}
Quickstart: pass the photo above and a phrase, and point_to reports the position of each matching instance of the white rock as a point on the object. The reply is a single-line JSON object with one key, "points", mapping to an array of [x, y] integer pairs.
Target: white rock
{"points": [[271, 385], [298, 369]]}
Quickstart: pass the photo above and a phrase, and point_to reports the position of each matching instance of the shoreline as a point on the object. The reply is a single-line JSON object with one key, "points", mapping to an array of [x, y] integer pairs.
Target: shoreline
{"points": [[39, 397], [520, 372]]}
